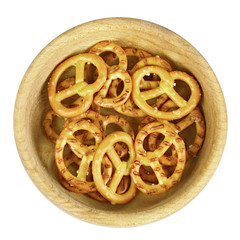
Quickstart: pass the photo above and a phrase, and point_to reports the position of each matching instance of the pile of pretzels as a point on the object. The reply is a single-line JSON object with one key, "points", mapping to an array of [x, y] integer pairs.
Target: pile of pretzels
{"points": [[135, 91]]}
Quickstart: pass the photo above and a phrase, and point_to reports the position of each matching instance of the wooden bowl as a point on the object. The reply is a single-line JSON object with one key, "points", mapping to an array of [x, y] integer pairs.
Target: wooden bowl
{"points": [[37, 152]]}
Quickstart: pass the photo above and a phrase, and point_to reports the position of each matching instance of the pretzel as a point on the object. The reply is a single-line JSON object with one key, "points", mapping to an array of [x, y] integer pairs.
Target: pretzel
{"points": [[80, 87], [194, 117], [150, 61], [105, 46], [166, 86], [120, 148], [116, 101], [90, 115], [129, 108], [151, 159], [48, 126], [122, 168], [107, 172], [82, 151]]}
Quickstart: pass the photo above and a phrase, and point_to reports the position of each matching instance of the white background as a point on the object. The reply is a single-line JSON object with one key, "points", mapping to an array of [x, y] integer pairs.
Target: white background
{"points": [[212, 27]]}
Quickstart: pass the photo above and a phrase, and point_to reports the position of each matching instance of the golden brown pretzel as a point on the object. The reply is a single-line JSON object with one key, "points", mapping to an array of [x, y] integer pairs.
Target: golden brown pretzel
{"points": [[166, 86], [194, 117], [90, 115], [151, 159], [101, 98], [151, 61], [81, 88], [122, 168], [108, 46], [107, 172], [120, 148], [48, 126], [84, 152], [129, 108], [68, 160]]}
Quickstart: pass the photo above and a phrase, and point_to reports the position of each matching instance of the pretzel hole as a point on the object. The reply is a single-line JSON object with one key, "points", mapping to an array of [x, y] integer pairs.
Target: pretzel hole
{"points": [[157, 140], [57, 124], [119, 89], [69, 102], [65, 83], [85, 137], [182, 89], [148, 175], [121, 149], [188, 135], [112, 127], [91, 73], [110, 58], [67, 79], [73, 168], [132, 60], [146, 144], [151, 77], [124, 185], [152, 101]]}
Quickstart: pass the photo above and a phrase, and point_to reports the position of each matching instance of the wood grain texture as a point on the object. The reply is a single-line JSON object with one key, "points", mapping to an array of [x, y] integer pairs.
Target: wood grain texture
{"points": [[36, 151]]}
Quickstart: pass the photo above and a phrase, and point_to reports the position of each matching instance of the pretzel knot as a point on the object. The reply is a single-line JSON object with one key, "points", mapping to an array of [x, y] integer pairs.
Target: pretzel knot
{"points": [[166, 86], [84, 90], [122, 168], [84, 152], [151, 159]]}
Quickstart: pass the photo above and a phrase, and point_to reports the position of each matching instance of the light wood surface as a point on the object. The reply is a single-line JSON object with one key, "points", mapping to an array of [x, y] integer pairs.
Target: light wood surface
{"points": [[36, 151]]}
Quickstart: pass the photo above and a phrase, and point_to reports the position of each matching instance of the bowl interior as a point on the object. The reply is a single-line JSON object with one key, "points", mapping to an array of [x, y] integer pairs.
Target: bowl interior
{"points": [[37, 152]]}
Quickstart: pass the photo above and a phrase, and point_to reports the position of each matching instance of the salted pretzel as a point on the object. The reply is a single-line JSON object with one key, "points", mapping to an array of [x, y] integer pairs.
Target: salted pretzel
{"points": [[122, 168], [166, 86], [81, 88], [108, 46], [101, 98], [151, 159], [84, 152]]}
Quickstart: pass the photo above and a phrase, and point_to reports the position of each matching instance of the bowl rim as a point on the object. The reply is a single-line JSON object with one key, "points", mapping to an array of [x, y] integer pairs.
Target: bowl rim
{"points": [[72, 208]]}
